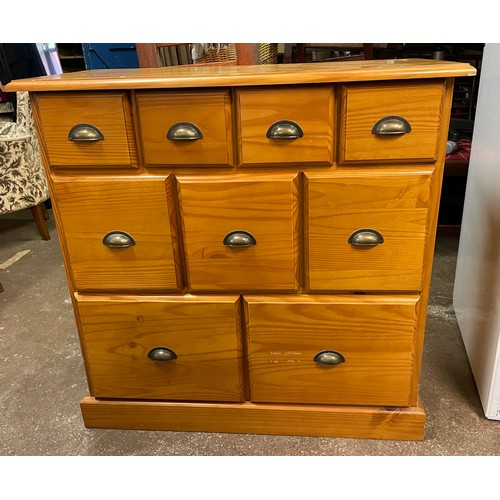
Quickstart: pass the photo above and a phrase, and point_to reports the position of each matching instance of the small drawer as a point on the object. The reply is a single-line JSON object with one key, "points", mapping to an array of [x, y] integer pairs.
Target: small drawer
{"points": [[87, 130], [346, 350], [118, 234], [367, 231], [186, 128], [286, 125], [241, 233], [390, 122], [176, 348]]}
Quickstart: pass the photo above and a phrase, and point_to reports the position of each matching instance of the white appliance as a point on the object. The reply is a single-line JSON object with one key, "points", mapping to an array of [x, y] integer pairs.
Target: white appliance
{"points": [[476, 295]]}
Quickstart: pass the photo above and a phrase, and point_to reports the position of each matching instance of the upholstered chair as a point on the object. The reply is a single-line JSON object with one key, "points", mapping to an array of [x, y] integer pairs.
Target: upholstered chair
{"points": [[22, 178]]}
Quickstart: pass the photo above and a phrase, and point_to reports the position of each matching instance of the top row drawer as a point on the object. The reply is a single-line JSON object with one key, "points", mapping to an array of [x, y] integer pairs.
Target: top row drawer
{"points": [[272, 126], [87, 129]]}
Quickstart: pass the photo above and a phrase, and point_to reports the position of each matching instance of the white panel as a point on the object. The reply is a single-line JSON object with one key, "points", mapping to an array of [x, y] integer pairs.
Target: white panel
{"points": [[476, 296]]}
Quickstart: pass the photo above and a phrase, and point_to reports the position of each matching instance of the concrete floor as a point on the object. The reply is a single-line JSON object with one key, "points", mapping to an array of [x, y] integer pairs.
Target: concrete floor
{"points": [[42, 378]]}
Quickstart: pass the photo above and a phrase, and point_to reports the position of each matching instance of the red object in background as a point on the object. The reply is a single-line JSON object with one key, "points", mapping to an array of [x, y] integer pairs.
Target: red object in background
{"points": [[462, 152], [4, 97]]}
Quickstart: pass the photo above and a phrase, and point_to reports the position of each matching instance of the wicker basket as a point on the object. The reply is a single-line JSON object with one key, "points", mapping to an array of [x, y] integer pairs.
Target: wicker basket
{"points": [[226, 52], [268, 53], [220, 52]]}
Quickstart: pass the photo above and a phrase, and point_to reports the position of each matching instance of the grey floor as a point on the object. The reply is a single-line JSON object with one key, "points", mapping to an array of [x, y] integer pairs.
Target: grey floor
{"points": [[42, 378]]}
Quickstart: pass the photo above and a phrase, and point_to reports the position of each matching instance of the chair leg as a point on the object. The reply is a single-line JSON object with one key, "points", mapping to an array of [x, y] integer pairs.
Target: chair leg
{"points": [[44, 211], [38, 215]]}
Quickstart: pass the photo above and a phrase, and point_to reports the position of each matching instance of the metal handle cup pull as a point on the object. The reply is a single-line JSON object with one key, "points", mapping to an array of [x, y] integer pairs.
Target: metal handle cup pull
{"points": [[184, 131], [239, 239], [284, 129], [366, 238], [161, 354], [85, 132], [392, 125], [118, 239], [329, 358]]}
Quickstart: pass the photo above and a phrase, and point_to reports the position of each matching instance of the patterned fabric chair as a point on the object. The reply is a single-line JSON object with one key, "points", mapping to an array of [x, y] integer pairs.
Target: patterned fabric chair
{"points": [[22, 178]]}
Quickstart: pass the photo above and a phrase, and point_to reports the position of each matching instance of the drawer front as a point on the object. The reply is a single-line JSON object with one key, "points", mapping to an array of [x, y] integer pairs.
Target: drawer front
{"points": [[367, 231], [186, 128], [118, 234], [394, 122], [87, 130], [284, 126], [163, 348], [240, 233], [332, 350]]}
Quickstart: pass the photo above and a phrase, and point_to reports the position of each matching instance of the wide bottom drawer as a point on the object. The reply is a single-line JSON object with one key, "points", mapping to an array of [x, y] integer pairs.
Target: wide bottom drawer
{"points": [[352, 350], [170, 348]]}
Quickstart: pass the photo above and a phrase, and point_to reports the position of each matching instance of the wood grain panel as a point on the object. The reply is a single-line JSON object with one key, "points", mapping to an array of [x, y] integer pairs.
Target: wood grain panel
{"points": [[264, 74], [312, 108], [204, 332], [265, 206], [210, 111], [395, 204], [109, 112], [374, 334], [91, 208], [364, 105], [287, 420]]}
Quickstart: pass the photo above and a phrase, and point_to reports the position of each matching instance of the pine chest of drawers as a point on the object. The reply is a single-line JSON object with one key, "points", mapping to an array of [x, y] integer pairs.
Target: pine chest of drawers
{"points": [[249, 249]]}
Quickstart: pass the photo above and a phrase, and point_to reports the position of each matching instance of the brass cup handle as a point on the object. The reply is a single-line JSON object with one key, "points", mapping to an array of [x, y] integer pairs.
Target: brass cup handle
{"points": [[284, 129], [392, 125], [366, 238], [118, 239], [239, 239], [85, 132], [184, 131], [329, 358], [161, 354]]}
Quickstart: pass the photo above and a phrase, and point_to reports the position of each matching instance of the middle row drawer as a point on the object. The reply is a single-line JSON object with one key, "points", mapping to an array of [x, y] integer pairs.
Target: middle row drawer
{"points": [[247, 233]]}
